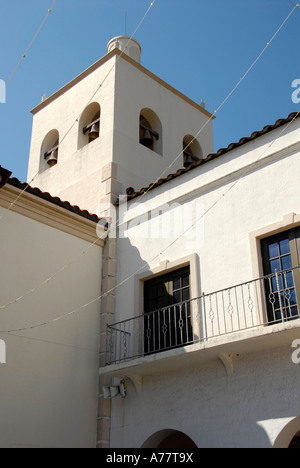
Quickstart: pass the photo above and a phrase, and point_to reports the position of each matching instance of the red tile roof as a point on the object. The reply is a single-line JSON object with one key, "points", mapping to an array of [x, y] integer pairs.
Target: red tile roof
{"points": [[55, 200], [133, 194]]}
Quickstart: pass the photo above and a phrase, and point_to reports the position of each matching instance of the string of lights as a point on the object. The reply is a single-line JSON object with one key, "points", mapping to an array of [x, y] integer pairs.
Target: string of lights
{"points": [[201, 129], [144, 194], [89, 101], [222, 103], [17, 198], [24, 55], [55, 343], [156, 257], [47, 280], [294, 4], [65, 267], [110, 70]]}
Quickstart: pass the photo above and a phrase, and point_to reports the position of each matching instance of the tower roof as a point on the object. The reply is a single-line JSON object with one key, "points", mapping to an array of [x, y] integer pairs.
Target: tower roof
{"points": [[127, 46], [114, 50]]}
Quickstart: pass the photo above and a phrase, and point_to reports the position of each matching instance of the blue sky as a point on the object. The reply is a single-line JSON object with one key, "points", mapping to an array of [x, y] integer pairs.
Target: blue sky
{"points": [[201, 47]]}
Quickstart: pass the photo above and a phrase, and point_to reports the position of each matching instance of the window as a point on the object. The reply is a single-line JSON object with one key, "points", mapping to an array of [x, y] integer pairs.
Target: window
{"points": [[150, 134], [89, 125], [167, 320], [281, 254]]}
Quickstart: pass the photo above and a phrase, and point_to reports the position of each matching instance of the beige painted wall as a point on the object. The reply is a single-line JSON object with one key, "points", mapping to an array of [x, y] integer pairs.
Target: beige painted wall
{"points": [[48, 390]]}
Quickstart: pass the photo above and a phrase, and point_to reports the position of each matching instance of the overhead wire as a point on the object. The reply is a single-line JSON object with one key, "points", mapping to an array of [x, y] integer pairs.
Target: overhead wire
{"points": [[150, 187], [146, 264], [6, 210], [248, 169], [201, 129], [55, 343], [29, 46], [144, 194], [3, 88], [220, 106], [66, 266], [111, 69], [89, 101], [222, 103], [294, 4]]}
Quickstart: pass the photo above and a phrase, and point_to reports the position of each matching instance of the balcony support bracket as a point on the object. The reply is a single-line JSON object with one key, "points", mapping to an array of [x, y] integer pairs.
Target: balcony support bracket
{"points": [[137, 381], [227, 360]]}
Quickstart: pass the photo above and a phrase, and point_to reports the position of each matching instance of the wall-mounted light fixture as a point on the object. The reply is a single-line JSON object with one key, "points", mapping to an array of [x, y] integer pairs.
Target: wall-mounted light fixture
{"points": [[114, 391]]}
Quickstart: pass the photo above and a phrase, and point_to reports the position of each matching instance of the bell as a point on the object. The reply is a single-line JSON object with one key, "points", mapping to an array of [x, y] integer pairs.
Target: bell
{"points": [[94, 132], [52, 158], [188, 160], [147, 140]]}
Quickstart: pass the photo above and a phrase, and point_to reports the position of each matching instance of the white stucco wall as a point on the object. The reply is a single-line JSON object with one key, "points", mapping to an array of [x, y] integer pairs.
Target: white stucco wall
{"points": [[77, 176], [48, 391], [246, 410], [126, 90], [139, 166], [244, 191]]}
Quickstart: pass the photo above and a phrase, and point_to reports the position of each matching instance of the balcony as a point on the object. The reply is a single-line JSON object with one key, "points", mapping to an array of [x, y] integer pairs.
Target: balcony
{"points": [[256, 315]]}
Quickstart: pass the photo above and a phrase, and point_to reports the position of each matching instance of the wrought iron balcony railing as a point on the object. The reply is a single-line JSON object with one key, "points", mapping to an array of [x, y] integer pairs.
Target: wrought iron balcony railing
{"points": [[262, 302]]}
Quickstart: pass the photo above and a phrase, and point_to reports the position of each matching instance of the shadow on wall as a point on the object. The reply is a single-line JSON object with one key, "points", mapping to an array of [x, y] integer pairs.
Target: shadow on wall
{"points": [[289, 437], [169, 439], [172, 439]]}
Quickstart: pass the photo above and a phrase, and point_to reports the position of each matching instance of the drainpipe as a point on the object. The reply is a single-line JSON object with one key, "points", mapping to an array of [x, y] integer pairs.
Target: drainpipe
{"points": [[107, 317]]}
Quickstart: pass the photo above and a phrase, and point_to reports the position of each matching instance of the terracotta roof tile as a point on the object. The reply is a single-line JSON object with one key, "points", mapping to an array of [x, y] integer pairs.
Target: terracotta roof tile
{"points": [[55, 200], [220, 152]]}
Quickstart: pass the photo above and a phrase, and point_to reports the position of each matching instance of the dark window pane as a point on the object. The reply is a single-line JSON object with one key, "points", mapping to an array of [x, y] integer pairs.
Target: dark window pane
{"points": [[280, 282], [185, 281], [286, 262], [277, 283], [176, 283], [273, 250], [156, 304], [275, 265], [274, 284], [278, 255], [168, 326], [284, 246], [186, 294], [291, 297], [289, 279], [177, 296]]}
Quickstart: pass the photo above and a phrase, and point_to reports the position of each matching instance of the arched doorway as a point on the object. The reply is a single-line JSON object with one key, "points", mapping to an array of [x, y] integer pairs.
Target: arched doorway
{"points": [[170, 439], [289, 437], [295, 442]]}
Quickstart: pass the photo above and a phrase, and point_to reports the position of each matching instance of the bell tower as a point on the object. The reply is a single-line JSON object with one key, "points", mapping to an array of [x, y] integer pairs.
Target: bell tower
{"points": [[116, 125]]}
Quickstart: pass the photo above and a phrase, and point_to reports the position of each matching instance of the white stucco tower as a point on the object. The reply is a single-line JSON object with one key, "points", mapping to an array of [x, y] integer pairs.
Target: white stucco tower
{"points": [[114, 126]]}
